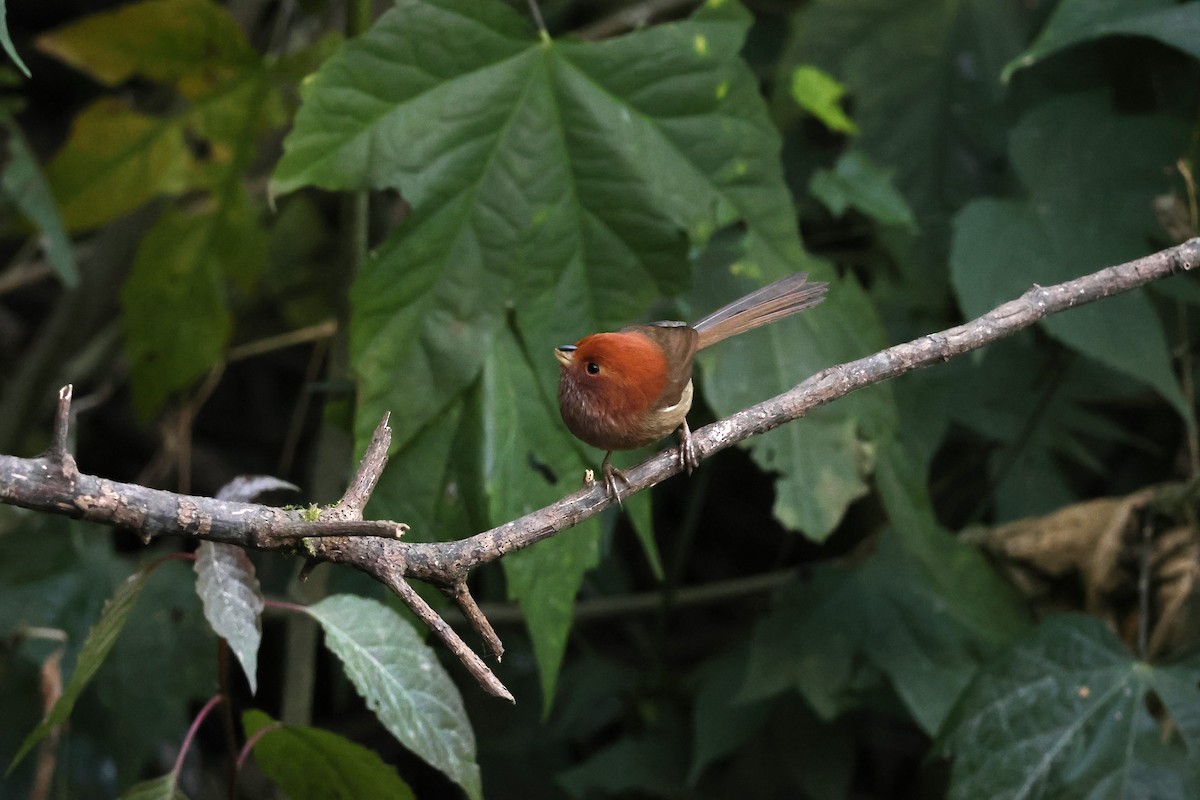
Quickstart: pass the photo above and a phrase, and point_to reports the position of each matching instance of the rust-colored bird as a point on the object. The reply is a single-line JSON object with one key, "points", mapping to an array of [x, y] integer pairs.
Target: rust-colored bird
{"points": [[628, 389]]}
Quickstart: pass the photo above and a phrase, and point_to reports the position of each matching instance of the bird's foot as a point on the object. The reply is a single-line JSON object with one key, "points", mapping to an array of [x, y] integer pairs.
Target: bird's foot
{"points": [[689, 459], [612, 476]]}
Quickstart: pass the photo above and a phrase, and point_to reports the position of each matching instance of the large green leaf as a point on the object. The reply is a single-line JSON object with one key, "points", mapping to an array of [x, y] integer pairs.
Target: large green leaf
{"points": [[233, 601], [1064, 713], [1039, 406], [314, 764], [721, 724], [25, 186], [923, 76], [646, 765], [1076, 21], [516, 448], [542, 175], [99, 642], [555, 188], [823, 460], [1091, 177], [924, 624], [402, 681]]}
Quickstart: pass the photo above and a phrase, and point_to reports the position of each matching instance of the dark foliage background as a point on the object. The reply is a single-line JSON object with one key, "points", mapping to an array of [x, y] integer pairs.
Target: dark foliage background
{"points": [[243, 235]]}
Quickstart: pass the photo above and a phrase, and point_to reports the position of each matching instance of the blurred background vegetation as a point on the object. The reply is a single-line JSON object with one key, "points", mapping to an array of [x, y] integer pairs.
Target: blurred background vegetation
{"points": [[245, 230]]}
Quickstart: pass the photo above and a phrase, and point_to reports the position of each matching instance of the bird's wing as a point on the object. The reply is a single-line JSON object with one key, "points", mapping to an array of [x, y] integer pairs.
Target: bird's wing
{"points": [[679, 342]]}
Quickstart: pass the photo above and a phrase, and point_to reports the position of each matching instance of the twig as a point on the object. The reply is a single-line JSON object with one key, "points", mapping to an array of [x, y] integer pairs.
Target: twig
{"points": [[536, 11], [370, 467], [443, 631], [59, 452], [40, 483], [475, 616], [51, 685], [313, 333], [23, 274], [605, 608], [632, 17]]}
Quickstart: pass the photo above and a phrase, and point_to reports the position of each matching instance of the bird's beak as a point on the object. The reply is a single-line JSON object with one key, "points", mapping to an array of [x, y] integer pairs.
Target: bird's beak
{"points": [[564, 354]]}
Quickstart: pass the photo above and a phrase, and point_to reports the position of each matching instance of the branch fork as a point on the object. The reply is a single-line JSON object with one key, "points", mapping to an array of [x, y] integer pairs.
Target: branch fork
{"points": [[53, 483]]}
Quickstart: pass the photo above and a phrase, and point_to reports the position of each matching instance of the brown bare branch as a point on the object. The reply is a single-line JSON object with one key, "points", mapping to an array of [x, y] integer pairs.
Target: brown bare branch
{"points": [[341, 536]]}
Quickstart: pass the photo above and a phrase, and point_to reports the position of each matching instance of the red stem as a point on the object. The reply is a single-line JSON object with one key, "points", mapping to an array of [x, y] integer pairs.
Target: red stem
{"points": [[191, 734], [253, 740], [283, 605]]}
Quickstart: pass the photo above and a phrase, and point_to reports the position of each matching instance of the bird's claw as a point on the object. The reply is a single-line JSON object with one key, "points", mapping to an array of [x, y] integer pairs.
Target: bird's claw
{"points": [[611, 476], [689, 459]]}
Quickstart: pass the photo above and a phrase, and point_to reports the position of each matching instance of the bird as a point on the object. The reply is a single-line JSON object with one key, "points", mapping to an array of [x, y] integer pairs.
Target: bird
{"points": [[630, 388]]}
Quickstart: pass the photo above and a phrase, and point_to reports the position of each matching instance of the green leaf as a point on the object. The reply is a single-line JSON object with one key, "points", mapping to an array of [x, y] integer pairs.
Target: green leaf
{"points": [[115, 160], [233, 601], [314, 764], [822, 461], [166, 41], [1064, 713], [927, 99], [402, 681], [721, 723], [121, 719], [160, 709], [856, 181], [1115, 166], [516, 448], [650, 764], [640, 513], [177, 318], [6, 41], [24, 184], [1075, 21], [819, 94], [925, 624], [1040, 407], [570, 174], [163, 788], [99, 642], [544, 580]]}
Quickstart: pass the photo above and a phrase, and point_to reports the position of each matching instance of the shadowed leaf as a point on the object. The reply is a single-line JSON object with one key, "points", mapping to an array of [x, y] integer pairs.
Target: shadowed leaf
{"points": [[233, 601], [315, 764], [402, 681]]}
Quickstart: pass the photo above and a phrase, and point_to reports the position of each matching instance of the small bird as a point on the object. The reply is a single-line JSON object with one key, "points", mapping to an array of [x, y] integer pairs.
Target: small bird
{"points": [[628, 389]]}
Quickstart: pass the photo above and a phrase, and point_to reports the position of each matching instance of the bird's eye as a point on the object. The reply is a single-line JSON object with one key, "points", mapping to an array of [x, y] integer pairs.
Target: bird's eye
{"points": [[593, 368]]}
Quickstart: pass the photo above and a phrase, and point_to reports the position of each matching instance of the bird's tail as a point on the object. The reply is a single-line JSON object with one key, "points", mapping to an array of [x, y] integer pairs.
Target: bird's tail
{"points": [[777, 300]]}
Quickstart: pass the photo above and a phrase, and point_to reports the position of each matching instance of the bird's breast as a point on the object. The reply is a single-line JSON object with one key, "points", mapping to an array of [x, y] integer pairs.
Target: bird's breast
{"points": [[601, 423]]}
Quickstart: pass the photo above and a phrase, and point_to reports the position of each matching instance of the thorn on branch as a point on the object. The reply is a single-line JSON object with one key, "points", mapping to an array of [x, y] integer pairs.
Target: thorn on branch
{"points": [[59, 452], [367, 475], [461, 596], [474, 664], [306, 571]]}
